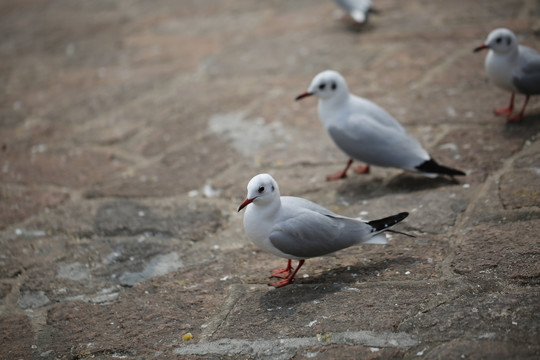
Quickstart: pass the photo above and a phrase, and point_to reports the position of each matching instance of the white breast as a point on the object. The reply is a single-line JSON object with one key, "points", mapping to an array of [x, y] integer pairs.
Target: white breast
{"points": [[499, 69], [258, 224]]}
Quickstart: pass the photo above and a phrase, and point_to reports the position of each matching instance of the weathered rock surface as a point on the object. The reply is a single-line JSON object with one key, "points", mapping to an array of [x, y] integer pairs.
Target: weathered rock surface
{"points": [[128, 133]]}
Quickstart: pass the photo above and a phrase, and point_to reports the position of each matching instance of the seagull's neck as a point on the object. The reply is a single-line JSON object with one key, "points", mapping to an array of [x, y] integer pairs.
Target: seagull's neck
{"points": [[499, 68], [331, 109], [510, 57], [268, 210], [259, 221]]}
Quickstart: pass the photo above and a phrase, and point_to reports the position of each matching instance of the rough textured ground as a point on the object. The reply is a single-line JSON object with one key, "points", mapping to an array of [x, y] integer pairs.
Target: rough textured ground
{"points": [[129, 130]]}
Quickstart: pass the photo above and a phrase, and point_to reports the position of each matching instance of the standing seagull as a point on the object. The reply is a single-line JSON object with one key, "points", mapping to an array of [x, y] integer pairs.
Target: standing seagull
{"points": [[512, 67], [357, 9], [366, 132], [296, 228]]}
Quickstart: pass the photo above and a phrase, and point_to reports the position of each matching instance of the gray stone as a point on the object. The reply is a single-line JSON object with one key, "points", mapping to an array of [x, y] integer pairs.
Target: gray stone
{"points": [[47, 353], [32, 300], [186, 220], [286, 348], [75, 271], [126, 217], [160, 265], [247, 136]]}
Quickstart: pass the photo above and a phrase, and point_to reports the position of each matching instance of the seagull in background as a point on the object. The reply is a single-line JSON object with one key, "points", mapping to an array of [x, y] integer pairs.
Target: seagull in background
{"points": [[357, 9], [512, 67], [366, 132]]}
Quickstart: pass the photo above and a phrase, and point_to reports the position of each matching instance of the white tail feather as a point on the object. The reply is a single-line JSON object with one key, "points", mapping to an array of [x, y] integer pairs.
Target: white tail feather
{"points": [[377, 239]]}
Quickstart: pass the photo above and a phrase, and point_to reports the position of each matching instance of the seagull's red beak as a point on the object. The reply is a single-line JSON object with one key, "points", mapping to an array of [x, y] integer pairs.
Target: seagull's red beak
{"points": [[480, 48], [301, 96], [245, 203]]}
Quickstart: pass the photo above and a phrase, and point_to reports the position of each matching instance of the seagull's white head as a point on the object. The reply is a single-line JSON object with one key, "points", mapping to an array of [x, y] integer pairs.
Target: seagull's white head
{"points": [[328, 84], [262, 189], [501, 41]]}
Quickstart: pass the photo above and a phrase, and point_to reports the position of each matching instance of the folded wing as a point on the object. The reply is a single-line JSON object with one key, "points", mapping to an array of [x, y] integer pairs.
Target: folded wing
{"points": [[309, 234]]}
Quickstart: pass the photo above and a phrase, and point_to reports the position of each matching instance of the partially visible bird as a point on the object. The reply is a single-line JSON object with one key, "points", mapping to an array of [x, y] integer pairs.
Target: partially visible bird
{"points": [[366, 132], [512, 67], [298, 229], [357, 9]]}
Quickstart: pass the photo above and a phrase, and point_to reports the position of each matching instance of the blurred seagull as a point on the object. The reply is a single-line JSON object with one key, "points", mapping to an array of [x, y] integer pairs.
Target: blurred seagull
{"points": [[296, 228], [512, 67], [366, 132], [357, 9]]}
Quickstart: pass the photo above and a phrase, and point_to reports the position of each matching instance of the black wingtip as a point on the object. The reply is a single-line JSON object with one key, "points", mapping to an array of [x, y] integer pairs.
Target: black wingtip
{"points": [[432, 167], [387, 222]]}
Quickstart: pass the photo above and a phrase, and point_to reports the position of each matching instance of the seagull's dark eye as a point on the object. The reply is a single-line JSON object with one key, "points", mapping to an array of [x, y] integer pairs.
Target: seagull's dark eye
{"points": [[322, 86], [273, 188], [508, 41], [498, 40], [261, 189], [334, 86]]}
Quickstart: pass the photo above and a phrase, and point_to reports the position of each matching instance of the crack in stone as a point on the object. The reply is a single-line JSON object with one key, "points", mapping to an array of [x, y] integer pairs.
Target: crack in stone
{"points": [[288, 347], [235, 292]]}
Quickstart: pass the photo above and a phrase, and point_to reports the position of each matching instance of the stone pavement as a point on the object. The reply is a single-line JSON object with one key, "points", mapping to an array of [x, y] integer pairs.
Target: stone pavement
{"points": [[129, 130]]}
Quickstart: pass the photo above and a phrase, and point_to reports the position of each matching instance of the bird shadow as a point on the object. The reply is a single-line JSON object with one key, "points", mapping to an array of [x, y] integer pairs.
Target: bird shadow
{"points": [[317, 287], [528, 126], [356, 28], [403, 183], [406, 182], [362, 187]]}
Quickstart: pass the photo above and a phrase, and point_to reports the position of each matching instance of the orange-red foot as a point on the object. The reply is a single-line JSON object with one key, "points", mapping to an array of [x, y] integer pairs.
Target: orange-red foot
{"points": [[503, 111], [337, 176], [281, 273], [362, 169], [282, 282], [289, 279], [340, 174]]}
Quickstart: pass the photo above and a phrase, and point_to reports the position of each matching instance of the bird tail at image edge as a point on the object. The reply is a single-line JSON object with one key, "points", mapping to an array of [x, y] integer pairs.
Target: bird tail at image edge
{"points": [[432, 167], [386, 223]]}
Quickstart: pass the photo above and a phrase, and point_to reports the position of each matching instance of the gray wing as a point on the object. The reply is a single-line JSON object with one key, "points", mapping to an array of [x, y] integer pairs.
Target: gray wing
{"points": [[374, 136], [377, 144], [309, 234], [527, 80], [363, 110]]}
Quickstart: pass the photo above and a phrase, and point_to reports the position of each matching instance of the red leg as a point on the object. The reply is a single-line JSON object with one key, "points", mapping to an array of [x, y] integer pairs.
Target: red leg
{"points": [[282, 273], [289, 279], [508, 110], [518, 117], [362, 169], [340, 174]]}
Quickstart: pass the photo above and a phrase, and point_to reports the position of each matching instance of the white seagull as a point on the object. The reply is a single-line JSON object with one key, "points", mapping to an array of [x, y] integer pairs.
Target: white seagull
{"points": [[357, 9], [296, 228], [512, 67], [366, 132]]}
